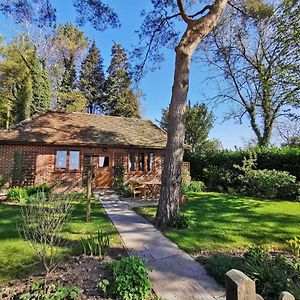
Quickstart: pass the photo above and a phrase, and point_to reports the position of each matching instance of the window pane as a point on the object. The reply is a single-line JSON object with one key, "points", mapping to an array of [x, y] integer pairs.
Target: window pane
{"points": [[141, 161], [61, 159], [150, 161], [132, 161], [74, 160], [103, 161]]}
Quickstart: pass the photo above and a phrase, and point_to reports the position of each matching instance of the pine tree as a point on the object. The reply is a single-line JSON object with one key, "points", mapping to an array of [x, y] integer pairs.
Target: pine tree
{"points": [[92, 80], [41, 87], [121, 99]]}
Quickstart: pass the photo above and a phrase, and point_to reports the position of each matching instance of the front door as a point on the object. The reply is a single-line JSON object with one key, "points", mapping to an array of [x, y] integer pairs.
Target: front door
{"points": [[103, 171]]}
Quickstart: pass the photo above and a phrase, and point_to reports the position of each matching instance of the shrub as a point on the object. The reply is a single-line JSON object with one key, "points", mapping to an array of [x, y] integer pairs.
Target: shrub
{"points": [[131, 280], [41, 226], [50, 291], [266, 183], [96, 245], [17, 194], [256, 255], [280, 159], [196, 186], [179, 222], [118, 181], [294, 245], [272, 274], [43, 188], [219, 179]]}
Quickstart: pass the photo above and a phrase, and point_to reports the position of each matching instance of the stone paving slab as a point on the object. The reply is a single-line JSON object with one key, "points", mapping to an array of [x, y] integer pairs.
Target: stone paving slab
{"points": [[175, 274]]}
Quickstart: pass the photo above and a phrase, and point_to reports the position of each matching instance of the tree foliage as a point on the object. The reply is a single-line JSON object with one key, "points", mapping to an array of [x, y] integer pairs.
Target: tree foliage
{"points": [[122, 100], [198, 123], [71, 44], [24, 82], [255, 48], [92, 80]]}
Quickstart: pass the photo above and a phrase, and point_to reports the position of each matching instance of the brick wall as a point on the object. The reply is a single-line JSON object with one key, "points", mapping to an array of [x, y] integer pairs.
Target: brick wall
{"points": [[39, 162]]}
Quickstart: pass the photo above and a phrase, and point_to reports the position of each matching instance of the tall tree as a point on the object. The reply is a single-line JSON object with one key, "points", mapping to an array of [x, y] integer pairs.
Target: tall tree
{"points": [[256, 50], [121, 99], [71, 44], [92, 80], [159, 27], [24, 81], [198, 123]]}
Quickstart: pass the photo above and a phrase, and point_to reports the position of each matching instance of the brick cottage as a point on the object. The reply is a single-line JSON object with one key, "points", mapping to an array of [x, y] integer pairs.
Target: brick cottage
{"points": [[58, 147]]}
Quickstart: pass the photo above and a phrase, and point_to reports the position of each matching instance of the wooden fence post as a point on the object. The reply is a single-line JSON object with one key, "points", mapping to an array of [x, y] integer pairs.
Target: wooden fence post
{"points": [[239, 286]]}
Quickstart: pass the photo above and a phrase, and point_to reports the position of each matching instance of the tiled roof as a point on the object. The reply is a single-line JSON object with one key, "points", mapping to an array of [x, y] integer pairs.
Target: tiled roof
{"points": [[85, 129]]}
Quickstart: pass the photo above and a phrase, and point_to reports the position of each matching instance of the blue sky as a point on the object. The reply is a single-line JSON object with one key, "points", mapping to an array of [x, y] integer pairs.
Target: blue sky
{"points": [[156, 86]]}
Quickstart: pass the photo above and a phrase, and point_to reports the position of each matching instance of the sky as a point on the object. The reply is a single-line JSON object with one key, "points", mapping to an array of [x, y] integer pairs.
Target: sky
{"points": [[156, 86]]}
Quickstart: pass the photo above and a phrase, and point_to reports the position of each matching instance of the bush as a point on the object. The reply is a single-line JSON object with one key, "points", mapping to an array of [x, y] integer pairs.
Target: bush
{"points": [[219, 179], [266, 183], [280, 159], [50, 291], [35, 189], [130, 278], [272, 274], [179, 222], [118, 181], [17, 194], [196, 186]]}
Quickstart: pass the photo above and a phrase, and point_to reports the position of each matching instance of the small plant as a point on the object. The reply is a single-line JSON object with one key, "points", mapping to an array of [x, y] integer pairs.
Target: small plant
{"points": [[294, 245], [96, 245], [17, 194], [256, 255], [35, 189], [50, 291], [196, 187], [131, 281], [103, 286], [179, 222]]}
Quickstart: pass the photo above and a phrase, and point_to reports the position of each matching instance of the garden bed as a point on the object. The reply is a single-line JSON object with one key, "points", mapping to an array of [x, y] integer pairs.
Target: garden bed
{"points": [[83, 272]]}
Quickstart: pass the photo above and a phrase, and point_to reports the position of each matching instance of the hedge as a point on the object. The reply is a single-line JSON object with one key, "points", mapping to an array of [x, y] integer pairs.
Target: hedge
{"points": [[281, 159]]}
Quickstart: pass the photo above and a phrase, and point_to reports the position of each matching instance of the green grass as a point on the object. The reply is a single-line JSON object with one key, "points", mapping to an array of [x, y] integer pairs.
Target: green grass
{"points": [[18, 259], [226, 222]]}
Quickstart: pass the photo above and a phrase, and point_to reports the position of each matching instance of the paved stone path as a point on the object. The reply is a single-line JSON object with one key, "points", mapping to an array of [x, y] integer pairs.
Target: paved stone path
{"points": [[175, 274]]}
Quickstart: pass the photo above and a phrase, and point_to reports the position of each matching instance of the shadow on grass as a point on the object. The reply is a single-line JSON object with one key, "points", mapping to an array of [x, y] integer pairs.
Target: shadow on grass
{"points": [[221, 221]]}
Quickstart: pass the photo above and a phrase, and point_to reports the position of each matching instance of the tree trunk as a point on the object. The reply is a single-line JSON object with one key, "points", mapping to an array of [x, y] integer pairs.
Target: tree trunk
{"points": [[197, 30], [171, 177], [89, 193]]}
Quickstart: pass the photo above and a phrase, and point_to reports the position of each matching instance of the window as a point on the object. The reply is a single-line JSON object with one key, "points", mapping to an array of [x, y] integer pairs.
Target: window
{"points": [[103, 161], [61, 159], [67, 160], [132, 161], [74, 160], [141, 161], [150, 161]]}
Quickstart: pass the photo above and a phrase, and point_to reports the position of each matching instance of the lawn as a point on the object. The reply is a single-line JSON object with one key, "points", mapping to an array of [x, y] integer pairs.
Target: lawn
{"points": [[16, 256], [225, 222]]}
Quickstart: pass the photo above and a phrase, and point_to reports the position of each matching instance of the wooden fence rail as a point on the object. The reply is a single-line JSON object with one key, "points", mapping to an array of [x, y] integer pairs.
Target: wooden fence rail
{"points": [[240, 287]]}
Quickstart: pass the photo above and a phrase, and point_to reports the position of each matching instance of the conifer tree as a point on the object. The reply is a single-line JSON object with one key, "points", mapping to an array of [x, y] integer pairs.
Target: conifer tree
{"points": [[121, 99], [92, 80]]}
